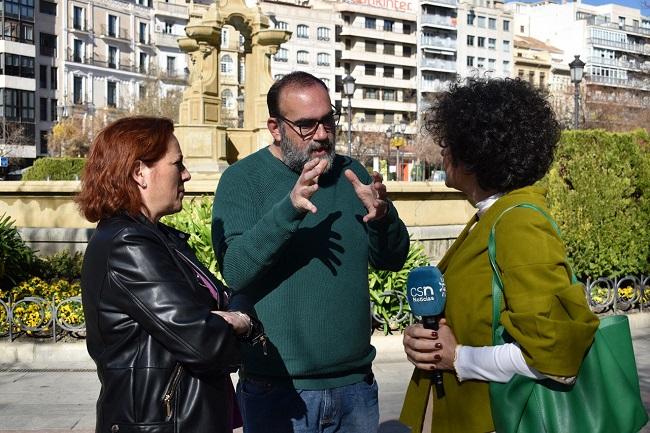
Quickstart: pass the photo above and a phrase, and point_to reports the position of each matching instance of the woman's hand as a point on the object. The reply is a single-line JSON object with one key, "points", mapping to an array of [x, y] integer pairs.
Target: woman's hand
{"points": [[428, 349], [239, 321]]}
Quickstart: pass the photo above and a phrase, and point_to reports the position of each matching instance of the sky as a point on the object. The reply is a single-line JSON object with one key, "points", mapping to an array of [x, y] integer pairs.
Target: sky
{"points": [[637, 4]]}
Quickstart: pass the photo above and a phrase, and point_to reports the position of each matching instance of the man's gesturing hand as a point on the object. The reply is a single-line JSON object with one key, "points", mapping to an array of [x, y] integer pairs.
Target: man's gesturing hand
{"points": [[307, 185], [372, 196]]}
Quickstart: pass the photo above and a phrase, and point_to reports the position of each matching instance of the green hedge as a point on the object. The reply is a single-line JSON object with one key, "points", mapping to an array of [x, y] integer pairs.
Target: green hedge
{"points": [[55, 169], [599, 192]]}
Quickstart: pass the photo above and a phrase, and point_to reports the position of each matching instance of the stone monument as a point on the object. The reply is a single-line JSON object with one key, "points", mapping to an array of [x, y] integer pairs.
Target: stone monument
{"points": [[207, 144]]}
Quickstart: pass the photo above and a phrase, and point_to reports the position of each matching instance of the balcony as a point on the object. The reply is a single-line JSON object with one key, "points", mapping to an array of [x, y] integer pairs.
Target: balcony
{"points": [[619, 82], [121, 35], [383, 105], [166, 39], [171, 10], [371, 57], [429, 20], [78, 57], [620, 63], [103, 62], [80, 26], [383, 82], [621, 46], [436, 43], [599, 21], [438, 65], [434, 86], [444, 3], [359, 30]]}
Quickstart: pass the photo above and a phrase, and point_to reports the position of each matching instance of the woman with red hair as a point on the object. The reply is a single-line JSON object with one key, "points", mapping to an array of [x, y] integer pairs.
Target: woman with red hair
{"points": [[155, 317]]}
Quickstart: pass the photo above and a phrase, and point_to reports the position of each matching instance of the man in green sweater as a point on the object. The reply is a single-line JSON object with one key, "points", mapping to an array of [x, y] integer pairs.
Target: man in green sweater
{"points": [[294, 225]]}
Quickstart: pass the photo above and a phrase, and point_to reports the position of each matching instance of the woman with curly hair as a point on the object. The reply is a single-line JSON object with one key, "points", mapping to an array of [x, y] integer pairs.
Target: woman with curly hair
{"points": [[498, 138]]}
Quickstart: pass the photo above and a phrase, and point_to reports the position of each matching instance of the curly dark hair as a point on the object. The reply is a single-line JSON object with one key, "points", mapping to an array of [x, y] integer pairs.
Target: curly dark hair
{"points": [[502, 130]]}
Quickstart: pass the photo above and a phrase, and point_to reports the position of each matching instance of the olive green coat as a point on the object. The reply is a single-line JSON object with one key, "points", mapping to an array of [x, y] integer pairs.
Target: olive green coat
{"points": [[546, 314]]}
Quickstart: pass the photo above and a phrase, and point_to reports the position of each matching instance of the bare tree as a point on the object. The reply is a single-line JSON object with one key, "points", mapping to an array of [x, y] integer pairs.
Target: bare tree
{"points": [[69, 138], [155, 101], [13, 135]]}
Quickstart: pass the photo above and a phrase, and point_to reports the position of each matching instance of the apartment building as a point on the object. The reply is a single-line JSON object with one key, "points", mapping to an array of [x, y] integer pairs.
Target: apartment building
{"points": [[312, 24], [613, 41], [485, 39], [535, 61], [17, 79], [377, 46]]}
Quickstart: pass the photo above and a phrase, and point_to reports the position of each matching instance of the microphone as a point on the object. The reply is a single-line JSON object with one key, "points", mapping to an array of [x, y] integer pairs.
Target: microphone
{"points": [[426, 294]]}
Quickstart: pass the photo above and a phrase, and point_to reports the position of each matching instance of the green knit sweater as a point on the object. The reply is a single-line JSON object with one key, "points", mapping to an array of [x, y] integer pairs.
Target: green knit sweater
{"points": [[308, 273]]}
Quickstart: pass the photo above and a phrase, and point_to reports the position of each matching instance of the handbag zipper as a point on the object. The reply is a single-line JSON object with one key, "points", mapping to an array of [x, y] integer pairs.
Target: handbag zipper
{"points": [[170, 390]]}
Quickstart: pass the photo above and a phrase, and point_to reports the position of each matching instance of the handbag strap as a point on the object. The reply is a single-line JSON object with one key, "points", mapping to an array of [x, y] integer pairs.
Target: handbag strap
{"points": [[497, 282]]}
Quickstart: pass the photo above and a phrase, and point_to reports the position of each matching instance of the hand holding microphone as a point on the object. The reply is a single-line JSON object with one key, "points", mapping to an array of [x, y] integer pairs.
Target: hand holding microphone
{"points": [[426, 294]]}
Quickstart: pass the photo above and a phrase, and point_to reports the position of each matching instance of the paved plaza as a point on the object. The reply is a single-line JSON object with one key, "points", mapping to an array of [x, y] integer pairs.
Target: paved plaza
{"points": [[36, 399]]}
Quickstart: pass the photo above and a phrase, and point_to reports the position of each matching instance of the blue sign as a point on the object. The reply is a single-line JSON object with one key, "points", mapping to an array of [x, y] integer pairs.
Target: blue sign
{"points": [[4, 161]]}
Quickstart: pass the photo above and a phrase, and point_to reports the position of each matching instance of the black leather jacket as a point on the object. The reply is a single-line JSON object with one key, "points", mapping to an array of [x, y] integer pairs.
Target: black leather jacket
{"points": [[162, 357]]}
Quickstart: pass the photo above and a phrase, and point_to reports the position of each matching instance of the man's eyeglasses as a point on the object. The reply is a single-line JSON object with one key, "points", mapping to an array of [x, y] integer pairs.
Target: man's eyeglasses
{"points": [[306, 128]]}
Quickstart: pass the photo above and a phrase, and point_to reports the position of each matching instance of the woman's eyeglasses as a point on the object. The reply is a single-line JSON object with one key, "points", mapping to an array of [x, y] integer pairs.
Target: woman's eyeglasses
{"points": [[306, 128]]}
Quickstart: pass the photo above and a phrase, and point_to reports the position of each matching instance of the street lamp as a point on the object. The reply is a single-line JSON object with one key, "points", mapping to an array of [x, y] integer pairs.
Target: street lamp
{"points": [[389, 134], [348, 91], [577, 67], [240, 110]]}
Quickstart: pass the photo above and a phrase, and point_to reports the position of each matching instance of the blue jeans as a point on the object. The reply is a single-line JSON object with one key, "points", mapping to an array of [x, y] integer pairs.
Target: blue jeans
{"points": [[279, 408]]}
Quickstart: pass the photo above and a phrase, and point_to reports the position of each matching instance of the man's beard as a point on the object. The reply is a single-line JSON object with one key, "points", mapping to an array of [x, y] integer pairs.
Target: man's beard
{"points": [[296, 158]]}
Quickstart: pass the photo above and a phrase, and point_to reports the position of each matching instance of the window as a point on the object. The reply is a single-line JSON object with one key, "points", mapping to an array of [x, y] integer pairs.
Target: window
{"points": [[371, 46], [370, 69], [388, 25], [47, 44], [42, 76], [406, 51], [54, 82], [470, 60], [406, 74], [226, 64], [302, 57], [389, 48], [282, 55], [43, 147], [520, 74], [406, 29], [26, 67], [12, 64], [506, 26], [323, 34], [521, 29], [470, 19], [506, 46], [492, 64], [480, 62], [347, 19], [542, 79], [481, 22], [370, 93], [389, 95], [281, 25], [303, 31], [77, 90], [42, 109], [112, 25], [171, 65], [225, 37], [168, 28], [142, 91], [112, 57], [53, 114], [370, 23], [323, 59], [143, 37], [506, 68], [492, 44], [144, 63], [481, 41], [531, 77], [46, 7], [227, 99], [470, 40], [27, 107], [78, 18], [346, 68], [370, 116], [492, 23], [18, 105], [77, 50], [389, 71], [348, 44], [389, 118], [277, 77], [111, 93]]}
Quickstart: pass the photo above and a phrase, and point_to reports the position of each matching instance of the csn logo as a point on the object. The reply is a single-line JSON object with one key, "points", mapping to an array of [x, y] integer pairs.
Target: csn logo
{"points": [[422, 291]]}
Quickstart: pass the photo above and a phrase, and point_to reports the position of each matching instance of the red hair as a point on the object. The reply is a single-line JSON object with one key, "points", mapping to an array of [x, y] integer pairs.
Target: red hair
{"points": [[107, 185]]}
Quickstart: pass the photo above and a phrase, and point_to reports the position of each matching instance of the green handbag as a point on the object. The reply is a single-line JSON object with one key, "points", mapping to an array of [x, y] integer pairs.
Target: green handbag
{"points": [[605, 397]]}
